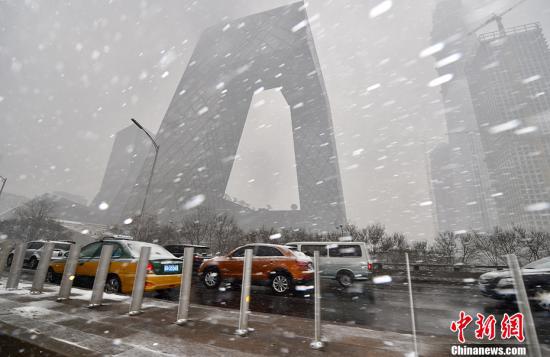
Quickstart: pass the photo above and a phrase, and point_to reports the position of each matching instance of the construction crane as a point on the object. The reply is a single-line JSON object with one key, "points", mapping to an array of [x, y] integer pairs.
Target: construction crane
{"points": [[498, 19]]}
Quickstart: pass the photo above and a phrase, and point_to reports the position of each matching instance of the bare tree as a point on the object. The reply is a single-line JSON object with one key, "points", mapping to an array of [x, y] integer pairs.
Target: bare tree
{"points": [[226, 235], [486, 246], [446, 246], [467, 247], [218, 231], [537, 245], [420, 250], [34, 220]]}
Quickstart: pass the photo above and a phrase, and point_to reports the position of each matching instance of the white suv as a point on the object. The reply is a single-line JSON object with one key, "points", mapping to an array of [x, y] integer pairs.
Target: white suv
{"points": [[344, 261]]}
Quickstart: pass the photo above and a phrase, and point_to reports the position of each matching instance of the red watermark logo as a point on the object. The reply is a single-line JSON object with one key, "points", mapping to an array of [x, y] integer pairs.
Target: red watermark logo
{"points": [[510, 326]]}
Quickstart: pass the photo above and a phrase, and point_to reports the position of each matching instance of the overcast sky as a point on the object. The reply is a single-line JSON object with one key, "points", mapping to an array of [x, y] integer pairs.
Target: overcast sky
{"points": [[73, 73]]}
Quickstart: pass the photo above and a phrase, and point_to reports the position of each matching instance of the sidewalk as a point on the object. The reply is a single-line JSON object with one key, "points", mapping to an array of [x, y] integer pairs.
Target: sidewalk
{"points": [[70, 328]]}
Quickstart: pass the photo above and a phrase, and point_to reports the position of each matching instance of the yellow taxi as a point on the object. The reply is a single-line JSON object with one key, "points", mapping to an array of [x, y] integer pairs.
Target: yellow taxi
{"points": [[163, 270]]}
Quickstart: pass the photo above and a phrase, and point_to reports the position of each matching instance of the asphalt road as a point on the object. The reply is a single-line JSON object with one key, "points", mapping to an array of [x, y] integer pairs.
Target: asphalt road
{"points": [[379, 307]]}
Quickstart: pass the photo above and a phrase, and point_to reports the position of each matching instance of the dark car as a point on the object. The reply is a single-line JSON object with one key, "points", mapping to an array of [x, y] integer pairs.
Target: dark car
{"points": [[200, 253], [499, 284]]}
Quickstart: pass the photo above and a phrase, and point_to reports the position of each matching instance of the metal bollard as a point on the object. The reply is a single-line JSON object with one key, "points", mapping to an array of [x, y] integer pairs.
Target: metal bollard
{"points": [[317, 344], [101, 275], [524, 307], [245, 294], [69, 273], [413, 321], [139, 281], [42, 269], [185, 287], [16, 266], [5, 249]]}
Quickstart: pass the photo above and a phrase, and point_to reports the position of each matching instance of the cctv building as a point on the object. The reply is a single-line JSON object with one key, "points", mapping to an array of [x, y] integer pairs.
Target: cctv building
{"points": [[200, 133]]}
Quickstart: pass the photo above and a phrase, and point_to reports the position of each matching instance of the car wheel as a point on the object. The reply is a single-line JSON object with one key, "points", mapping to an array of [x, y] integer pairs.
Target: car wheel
{"points": [[345, 278], [211, 278], [162, 293], [281, 283], [52, 277], [10, 260], [33, 263], [113, 285]]}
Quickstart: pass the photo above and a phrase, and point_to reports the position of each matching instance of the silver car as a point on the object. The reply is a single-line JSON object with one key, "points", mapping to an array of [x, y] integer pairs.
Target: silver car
{"points": [[344, 261], [33, 253]]}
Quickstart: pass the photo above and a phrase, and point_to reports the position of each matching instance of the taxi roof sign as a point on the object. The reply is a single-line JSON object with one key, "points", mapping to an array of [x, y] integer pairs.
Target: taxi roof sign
{"points": [[117, 236]]}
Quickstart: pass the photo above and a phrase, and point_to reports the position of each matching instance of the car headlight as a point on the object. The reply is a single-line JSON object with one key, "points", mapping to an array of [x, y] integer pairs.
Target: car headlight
{"points": [[505, 282]]}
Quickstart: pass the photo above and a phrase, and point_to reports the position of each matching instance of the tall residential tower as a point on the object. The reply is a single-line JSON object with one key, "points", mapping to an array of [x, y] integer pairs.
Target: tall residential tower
{"points": [[509, 81], [459, 176]]}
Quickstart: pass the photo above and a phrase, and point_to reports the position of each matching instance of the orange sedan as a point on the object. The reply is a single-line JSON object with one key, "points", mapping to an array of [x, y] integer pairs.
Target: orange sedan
{"points": [[274, 265], [163, 269]]}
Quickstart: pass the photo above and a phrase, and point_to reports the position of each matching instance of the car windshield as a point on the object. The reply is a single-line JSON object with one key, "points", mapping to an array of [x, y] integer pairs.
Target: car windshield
{"points": [[157, 252], [62, 246], [539, 264]]}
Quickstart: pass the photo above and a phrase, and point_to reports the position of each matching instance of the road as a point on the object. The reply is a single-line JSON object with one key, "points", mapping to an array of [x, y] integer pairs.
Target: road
{"points": [[378, 307]]}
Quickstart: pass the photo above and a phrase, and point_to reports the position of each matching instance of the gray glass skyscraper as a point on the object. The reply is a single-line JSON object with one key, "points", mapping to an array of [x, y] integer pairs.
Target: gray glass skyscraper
{"points": [[509, 81]]}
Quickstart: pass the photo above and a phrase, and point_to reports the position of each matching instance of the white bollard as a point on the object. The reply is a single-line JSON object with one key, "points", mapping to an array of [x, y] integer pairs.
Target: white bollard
{"points": [[245, 294], [524, 307], [16, 266], [317, 344], [185, 287], [69, 273], [139, 281], [101, 275], [5, 249], [42, 269], [413, 320]]}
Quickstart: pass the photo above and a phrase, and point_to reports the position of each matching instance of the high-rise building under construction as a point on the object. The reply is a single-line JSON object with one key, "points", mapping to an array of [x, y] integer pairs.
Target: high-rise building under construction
{"points": [[509, 81]]}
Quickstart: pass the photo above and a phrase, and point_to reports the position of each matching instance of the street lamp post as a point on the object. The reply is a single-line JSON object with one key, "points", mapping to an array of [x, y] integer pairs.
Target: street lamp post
{"points": [[156, 146], [341, 226], [4, 179]]}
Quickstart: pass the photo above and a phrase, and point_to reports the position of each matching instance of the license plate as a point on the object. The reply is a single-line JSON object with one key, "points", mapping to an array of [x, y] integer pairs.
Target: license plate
{"points": [[171, 268]]}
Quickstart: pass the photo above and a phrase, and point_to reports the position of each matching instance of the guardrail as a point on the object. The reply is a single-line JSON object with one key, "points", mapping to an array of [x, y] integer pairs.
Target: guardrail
{"points": [[438, 267]]}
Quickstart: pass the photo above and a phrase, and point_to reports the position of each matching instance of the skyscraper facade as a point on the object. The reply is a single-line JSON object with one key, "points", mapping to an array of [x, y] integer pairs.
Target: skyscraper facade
{"points": [[130, 148], [459, 176], [509, 81], [200, 133]]}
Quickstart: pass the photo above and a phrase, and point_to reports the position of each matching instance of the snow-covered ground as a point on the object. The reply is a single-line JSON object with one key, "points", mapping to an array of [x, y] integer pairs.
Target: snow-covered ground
{"points": [[109, 330]]}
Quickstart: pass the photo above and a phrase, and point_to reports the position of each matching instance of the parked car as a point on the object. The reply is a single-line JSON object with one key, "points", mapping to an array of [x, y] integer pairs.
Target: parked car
{"points": [[274, 265], [544, 301], [344, 261], [34, 250], [499, 284], [200, 253], [163, 269]]}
